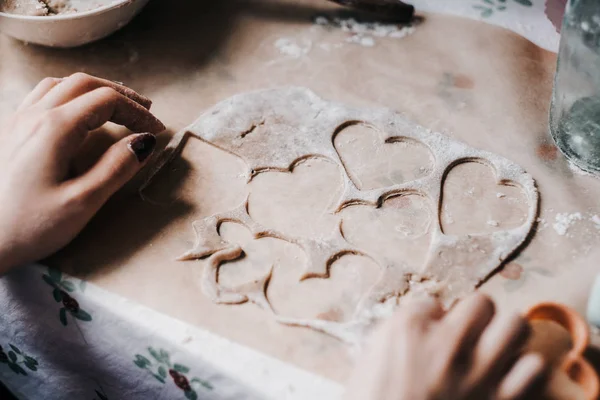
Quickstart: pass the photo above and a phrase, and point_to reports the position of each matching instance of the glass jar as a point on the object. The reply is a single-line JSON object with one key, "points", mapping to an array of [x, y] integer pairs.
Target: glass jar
{"points": [[575, 108]]}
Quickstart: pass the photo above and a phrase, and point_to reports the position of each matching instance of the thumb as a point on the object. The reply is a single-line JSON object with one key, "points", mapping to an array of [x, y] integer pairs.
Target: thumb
{"points": [[116, 167]]}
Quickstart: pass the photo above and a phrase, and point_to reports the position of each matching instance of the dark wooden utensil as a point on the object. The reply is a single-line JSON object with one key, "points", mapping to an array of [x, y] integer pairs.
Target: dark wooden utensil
{"points": [[383, 10]]}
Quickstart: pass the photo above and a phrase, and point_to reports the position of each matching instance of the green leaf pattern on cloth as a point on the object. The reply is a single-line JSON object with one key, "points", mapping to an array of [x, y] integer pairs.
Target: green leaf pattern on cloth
{"points": [[57, 295], [488, 7], [160, 367], [61, 287], [69, 286], [16, 359], [181, 368], [62, 315], [87, 348]]}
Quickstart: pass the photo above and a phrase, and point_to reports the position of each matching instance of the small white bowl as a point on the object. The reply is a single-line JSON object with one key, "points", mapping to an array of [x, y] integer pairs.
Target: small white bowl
{"points": [[71, 30]]}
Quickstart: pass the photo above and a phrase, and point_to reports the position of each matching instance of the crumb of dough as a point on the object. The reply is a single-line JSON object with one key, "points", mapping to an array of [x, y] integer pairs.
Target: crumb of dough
{"points": [[50, 7]]}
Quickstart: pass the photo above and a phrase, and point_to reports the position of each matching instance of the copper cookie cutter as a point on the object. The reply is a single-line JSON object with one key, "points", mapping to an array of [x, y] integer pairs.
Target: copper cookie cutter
{"points": [[577, 368]]}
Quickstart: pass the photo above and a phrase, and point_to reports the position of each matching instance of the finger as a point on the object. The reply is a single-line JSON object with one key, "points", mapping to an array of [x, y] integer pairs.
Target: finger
{"points": [[525, 379], [39, 91], [498, 348], [79, 83], [415, 313], [94, 109], [426, 307], [117, 166], [465, 323], [411, 319], [94, 146]]}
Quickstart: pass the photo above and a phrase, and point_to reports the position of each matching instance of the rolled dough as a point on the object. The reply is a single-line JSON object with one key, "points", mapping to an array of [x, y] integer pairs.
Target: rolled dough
{"points": [[284, 131]]}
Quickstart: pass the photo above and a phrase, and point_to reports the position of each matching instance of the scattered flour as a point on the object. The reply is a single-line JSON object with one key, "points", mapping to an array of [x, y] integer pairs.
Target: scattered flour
{"points": [[292, 48], [493, 223], [563, 222], [365, 41], [321, 20], [364, 33], [542, 224], [596, 220], [330, 46], [500, 195]]}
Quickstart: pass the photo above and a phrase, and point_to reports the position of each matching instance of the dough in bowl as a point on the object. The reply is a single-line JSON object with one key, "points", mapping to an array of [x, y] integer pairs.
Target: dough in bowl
{"points": [[50, 7]]}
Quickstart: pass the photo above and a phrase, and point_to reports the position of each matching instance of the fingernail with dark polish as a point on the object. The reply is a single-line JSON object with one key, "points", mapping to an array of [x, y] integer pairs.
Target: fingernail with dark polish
{"points": [[142, 145]]}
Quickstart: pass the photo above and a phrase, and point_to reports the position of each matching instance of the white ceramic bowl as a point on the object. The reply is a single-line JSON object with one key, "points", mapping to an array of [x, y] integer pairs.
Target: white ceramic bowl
{"points": [[71, 30]]}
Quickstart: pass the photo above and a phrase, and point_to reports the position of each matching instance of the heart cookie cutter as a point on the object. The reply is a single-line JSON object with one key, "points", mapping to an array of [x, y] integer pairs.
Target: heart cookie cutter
{"points": [[577, 368]]}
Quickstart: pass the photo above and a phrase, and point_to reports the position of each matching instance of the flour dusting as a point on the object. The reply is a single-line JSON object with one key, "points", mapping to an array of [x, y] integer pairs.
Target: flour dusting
{"points": [[364, 33], [293, 48], [564, 221], [359, 33], [596, 220], [365, 41], [542, 224]]}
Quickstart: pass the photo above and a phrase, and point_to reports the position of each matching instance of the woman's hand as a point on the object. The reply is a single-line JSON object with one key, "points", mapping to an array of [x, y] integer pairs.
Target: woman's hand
{"points": [[43, 207], [423, 353]]}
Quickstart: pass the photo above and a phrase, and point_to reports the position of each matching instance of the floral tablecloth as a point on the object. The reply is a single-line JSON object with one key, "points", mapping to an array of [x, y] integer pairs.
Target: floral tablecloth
{"points": [[64, 339], [61, 338]]}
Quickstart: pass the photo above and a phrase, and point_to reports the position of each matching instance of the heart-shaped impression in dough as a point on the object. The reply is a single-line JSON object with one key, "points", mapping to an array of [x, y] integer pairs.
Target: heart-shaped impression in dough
{"points": [[473, 202], [398, 231], [298, 202], [372, 162]]}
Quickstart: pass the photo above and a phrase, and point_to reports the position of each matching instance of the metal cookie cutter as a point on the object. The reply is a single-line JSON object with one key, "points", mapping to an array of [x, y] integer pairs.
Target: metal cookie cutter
{"points": [[574, 364]]}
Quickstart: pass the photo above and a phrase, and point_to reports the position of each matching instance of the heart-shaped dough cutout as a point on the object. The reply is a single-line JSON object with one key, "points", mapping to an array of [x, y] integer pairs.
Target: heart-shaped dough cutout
{"points": [[373, 163], [398, 231], [474, 202], [334, 298], [299, 203]]}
